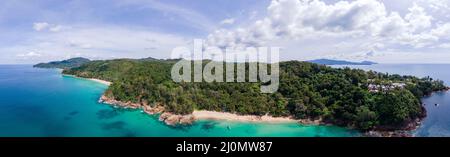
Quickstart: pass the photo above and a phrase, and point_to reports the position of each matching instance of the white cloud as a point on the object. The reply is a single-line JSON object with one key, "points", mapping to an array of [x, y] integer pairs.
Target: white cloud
{"points": [[300, 19], [365, 25], [97, 42], [418, 18], [39, 26], [442, 31], [44, 26], [437, 5], [444, 45], [29, 54], [227, 21], [56, 28]]}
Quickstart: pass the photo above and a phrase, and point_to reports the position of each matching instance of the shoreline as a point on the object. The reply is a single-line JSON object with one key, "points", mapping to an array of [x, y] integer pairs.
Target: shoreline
{"points": [[101, 81], [214, 115], [107, 83], [175, 119]]}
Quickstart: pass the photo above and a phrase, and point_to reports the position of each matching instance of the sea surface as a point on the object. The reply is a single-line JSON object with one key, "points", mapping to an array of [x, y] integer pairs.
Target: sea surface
{"points": [[43, 103], [437, 122]]}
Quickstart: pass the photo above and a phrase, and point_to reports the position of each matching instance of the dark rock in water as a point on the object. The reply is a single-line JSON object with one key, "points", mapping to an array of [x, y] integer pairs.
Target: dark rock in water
{"points": [[107, 114], [119, 125], [73, 113], [129, 134], [208, 126]]}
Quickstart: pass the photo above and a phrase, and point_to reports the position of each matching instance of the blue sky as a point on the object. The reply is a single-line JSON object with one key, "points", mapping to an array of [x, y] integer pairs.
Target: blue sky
{"points": [[401, 31]]}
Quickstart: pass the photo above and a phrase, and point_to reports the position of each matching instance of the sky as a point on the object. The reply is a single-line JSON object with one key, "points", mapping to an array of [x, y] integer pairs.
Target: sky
{"points": [[385, 31]]}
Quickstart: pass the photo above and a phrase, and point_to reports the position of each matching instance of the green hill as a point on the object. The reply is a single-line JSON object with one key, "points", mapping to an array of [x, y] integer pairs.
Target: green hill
{"points": [[70, 63], [307, 90]]}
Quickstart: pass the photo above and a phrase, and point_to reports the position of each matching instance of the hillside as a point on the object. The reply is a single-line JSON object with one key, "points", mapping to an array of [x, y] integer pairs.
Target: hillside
{"points": [[65, 64], [307, 91]]}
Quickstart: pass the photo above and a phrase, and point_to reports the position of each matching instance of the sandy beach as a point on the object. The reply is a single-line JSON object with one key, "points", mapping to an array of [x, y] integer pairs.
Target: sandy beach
{"points": [[212, 115], [92, 79], [101, 81], [173, 119]]}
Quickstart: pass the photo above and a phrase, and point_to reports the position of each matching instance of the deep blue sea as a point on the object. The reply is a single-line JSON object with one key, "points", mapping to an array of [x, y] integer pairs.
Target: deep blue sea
{"points": [[43, 103], [437, 122]]}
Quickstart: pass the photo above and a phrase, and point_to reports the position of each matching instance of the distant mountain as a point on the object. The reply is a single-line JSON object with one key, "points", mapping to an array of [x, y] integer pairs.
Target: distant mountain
{"points": [[339, 62], [65, 64], [148, 59]]}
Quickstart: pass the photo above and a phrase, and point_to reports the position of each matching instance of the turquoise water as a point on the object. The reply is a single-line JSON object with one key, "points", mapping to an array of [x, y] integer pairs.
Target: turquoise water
{"points": [[42, 103], [437, 122]]}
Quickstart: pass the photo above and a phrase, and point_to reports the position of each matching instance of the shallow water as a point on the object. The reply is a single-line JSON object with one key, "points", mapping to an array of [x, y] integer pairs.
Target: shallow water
{"points": [[41, 103]]}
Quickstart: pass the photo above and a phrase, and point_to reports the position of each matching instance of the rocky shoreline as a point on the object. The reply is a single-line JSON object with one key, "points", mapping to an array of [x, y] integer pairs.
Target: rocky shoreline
{"points": [[175, 119], [166, 117], [404, 132]]}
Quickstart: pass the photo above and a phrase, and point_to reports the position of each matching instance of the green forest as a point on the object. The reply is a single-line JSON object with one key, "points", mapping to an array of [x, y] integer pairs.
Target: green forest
{"points": [[307, 90]]}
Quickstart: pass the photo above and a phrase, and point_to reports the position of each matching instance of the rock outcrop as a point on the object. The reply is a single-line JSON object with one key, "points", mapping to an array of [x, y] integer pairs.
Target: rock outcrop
{"points": [[166, 117]]}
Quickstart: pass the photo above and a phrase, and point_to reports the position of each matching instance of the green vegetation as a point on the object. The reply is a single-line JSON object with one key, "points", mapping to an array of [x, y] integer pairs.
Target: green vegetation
{"points": [[307, 90], [65, 64]]}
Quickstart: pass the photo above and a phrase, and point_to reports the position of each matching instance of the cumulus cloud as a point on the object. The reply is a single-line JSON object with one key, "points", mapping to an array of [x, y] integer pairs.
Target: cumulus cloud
{"points": [[355, 22], [418, 18], [437, 5], [442, 31], [44, 26]]}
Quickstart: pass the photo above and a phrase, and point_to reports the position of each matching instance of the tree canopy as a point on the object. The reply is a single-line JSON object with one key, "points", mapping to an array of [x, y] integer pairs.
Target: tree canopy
{"points": [[307, 90]]}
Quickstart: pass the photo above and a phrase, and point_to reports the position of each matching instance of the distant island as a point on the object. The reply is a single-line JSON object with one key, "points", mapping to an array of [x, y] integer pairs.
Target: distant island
{"points": [[309, 93], [65, 64], [339, 62]]}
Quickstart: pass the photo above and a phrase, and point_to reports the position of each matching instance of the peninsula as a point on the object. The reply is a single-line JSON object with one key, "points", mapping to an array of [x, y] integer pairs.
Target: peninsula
{"points": [[65, 64], [309, 93]]}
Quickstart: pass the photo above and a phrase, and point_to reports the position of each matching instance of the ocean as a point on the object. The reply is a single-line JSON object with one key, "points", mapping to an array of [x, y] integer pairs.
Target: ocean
{"points": [[43, 103]]}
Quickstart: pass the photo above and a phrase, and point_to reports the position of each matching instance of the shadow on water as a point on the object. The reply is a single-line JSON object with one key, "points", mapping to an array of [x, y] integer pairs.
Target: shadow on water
{"points": [[184, 128], [129, 133], [109, 113], [67, 118], [29, 113], [179, 127], [118, 125], [55, 130], [207, 126], [73, 113]]}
